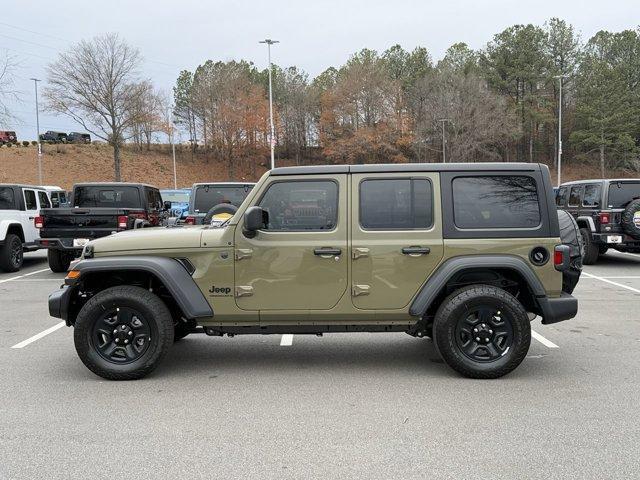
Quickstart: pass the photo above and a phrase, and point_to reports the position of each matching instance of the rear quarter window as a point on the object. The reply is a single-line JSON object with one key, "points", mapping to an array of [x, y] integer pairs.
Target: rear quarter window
{"points": [[7, 199], [621, 193], [496, 202]]}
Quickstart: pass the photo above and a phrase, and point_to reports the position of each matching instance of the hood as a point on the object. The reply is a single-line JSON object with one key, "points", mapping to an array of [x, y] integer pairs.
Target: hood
{"points": [[149, 239]]}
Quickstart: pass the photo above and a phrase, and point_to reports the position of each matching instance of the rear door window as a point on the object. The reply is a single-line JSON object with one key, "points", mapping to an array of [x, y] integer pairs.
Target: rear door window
{"points": [[7, 199], [30, 200], [575, 196], [500, 201], [396, 204], [591, 196]]}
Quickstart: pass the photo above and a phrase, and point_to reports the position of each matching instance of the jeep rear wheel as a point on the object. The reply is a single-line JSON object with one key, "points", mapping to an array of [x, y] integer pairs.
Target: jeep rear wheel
{"points": [[123, 332], [11, 253], [591, 249], [482, 331], [59, 261]]}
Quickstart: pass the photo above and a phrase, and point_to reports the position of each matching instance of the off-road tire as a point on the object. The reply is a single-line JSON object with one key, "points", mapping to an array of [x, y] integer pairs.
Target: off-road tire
{"points": [[59, 261], [151, 307], [217, 210], [591, 249], [11, 253], [456, 305]]}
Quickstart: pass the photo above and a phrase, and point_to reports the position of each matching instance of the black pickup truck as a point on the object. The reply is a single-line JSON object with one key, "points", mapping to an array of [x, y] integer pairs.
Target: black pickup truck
{"points": [[97, 210]]}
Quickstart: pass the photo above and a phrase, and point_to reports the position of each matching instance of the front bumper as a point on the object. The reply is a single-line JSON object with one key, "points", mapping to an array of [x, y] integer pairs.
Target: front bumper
{"points": [[558, 309], [59, 303]]}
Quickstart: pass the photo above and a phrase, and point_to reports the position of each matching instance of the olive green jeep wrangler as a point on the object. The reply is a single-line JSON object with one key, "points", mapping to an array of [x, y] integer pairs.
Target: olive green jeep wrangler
{"points": [[465, 254]]}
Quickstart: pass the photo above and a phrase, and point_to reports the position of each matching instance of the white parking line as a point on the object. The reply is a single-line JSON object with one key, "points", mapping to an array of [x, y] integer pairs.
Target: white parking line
{"points": [[22, 276], [542, 340], [287, 340], [605, 280], [46, 332]]}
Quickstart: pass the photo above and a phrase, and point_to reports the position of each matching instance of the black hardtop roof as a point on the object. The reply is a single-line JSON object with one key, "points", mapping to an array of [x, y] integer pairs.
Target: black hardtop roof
{"points": [[408, 167], [113, 184], [601, 180]]}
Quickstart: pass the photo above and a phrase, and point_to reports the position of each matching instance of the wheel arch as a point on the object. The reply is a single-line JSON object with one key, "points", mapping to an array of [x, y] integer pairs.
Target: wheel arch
{"points": [[166, 276], [504, 271], [8, 227]]}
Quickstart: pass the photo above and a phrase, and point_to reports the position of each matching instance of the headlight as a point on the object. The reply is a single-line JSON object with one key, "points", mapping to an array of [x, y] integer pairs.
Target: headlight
{"points": [[87, 251]]}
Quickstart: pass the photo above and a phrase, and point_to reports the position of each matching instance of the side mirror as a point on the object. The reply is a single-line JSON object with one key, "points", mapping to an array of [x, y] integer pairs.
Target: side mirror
{"points": [[254, 219], [167, 205]]}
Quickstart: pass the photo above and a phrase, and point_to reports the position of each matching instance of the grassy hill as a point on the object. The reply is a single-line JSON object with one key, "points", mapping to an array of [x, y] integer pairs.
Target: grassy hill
{"points": [[64, 165]]}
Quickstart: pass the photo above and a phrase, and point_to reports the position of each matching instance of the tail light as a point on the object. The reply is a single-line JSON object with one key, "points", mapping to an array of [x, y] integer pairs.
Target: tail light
{"points": [[605, 217], [123, 220], [190, 220], [561, 257], [38, 221]]}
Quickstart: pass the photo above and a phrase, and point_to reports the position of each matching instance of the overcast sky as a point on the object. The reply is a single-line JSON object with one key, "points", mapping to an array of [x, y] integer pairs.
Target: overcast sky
{"points": [[175, 35]]}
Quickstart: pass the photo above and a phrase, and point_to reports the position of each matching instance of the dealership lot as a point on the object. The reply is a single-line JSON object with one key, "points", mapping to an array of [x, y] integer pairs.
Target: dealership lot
{"points": [[340, 406]]}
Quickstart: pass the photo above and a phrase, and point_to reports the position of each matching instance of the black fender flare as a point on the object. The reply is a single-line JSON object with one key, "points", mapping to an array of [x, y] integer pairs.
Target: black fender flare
{"points": [[169, 271], [451, 267]]}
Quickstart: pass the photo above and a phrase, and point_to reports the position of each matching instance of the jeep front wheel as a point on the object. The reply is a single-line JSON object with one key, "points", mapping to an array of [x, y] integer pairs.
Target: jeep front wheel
{"points": [[482, 331], [123, 332]]}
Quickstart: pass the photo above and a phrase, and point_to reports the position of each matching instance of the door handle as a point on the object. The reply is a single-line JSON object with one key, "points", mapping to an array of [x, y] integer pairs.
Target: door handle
{"points": [[31, 218], [416, 251], [327, 252]]}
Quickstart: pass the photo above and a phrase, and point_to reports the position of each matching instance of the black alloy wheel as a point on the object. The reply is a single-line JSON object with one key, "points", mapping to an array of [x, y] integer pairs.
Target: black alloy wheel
{"points": [[485, 334], [122, 335]]}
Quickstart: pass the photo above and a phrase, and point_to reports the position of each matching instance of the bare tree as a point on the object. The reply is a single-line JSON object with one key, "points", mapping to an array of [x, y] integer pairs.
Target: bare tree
{"points": [[147, 114], [97, 85], [7, 91], [479, 126]]}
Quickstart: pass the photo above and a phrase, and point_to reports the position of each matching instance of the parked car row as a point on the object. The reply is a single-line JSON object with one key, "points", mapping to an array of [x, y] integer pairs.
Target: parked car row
{"points": [[48, 217], [9, 136], [607, 212], [62, 137]]}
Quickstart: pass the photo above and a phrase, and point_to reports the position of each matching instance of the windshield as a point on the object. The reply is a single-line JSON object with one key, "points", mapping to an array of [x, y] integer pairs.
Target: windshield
{"points": [[6, 198], [621, 193], [207, 196], [114, 196], [175, 197]]}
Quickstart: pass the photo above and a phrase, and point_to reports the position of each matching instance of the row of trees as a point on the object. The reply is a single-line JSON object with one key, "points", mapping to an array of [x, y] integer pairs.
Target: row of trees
{"points": [[498, 103]]}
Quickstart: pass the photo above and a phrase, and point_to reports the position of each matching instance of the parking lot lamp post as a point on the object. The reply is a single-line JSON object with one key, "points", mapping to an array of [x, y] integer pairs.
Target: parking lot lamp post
{"points": [[173, 146], [272, 140], [560, 77], [35, 82]]}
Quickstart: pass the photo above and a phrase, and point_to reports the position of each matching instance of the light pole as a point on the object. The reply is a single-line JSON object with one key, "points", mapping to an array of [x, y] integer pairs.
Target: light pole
{"points": [[270, 42], [560, 77], [35, 82], [173, 146], [444, 141]]}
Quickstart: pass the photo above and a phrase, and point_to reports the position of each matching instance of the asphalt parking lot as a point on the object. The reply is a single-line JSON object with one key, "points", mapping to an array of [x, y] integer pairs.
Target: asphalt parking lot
{"points": [[340, 406]]}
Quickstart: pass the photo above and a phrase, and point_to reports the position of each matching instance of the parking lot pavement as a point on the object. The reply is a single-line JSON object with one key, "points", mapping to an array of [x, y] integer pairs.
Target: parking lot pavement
{"points": [[340, 406]]}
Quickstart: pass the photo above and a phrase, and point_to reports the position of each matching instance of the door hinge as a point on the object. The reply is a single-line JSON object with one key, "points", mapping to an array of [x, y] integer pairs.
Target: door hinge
{"points": [[358, 290], [244, 291], [243, 253], [359, 252]]}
